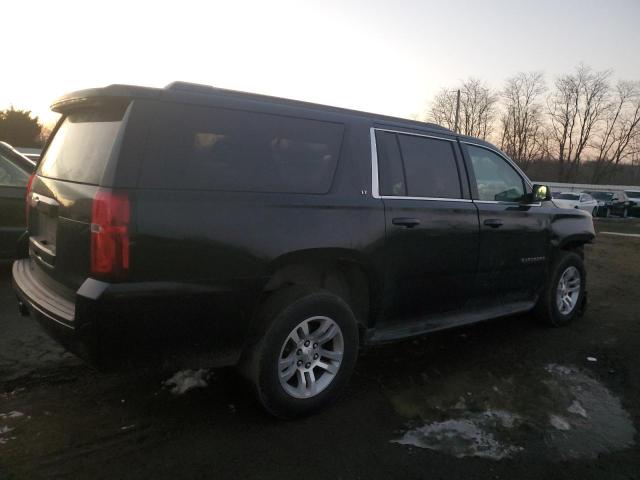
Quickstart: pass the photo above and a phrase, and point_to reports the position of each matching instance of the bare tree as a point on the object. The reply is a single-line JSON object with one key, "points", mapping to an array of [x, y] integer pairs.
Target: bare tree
{"points": [[477, 108], [576, 107], [443, 109], [523, 135], [615, 142]]}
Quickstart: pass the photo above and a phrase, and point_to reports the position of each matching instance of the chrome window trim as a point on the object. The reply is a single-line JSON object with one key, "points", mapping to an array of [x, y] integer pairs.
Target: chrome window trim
{"points": [[375, 180], [414, 134], [538, 204], [375, 183], [436, 199]]}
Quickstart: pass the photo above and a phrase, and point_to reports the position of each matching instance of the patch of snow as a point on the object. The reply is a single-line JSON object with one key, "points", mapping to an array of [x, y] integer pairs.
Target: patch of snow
{"points": [[461, 405], [592, 359], [577, 409], [5, 429], [460, 438], [186, 380], [505, 418], [559, 369], [559, 423], [608, 427], [12, 414]]}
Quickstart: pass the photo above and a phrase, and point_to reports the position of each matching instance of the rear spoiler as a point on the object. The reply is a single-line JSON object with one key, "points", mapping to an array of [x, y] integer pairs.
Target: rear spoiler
{"points": [[103, 96]]}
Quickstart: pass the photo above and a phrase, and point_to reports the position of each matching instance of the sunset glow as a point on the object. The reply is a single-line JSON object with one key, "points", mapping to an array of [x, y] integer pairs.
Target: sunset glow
{"points": [[386, 57]]}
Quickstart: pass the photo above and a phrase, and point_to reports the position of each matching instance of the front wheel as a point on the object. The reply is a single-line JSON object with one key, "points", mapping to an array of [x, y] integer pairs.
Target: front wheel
{"points": [[563, 297], [307, 353]]}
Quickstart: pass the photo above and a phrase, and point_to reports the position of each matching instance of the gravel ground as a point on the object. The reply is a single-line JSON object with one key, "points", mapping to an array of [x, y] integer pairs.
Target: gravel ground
{"points": [[504, 399]]}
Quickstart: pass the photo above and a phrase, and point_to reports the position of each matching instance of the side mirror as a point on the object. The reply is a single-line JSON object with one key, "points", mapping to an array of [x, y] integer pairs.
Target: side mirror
{"points": [[540, 193]]}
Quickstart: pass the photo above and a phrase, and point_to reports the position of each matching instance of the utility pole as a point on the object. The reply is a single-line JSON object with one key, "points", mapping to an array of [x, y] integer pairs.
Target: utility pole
{"points": [[457, 110]]}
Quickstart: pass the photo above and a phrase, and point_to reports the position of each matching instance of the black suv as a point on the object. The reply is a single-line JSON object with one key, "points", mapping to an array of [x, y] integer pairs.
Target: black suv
{"points": [[279, 236]]}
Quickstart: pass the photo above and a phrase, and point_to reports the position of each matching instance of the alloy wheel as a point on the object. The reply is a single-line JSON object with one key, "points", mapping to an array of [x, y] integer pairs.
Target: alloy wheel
{"points": [[310, 357], [568, 290]]}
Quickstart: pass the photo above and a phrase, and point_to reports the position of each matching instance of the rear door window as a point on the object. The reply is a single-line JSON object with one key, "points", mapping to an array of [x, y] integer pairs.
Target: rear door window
{"points": [[430, 167], [81, 147], [417, 166], [230, 150], [390, 170]]}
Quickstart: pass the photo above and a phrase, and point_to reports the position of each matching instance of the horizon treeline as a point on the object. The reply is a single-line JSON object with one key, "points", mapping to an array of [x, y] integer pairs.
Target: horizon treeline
{"points": [[581, 127]]}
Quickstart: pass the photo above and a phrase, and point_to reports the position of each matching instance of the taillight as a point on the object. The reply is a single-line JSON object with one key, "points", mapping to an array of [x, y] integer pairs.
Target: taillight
{"points": [[28, 198], [110, 218]]}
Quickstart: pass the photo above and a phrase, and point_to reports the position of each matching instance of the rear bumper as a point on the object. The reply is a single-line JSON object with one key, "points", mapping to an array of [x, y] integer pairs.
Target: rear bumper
{"points": [[54, 313], [150, 321]]}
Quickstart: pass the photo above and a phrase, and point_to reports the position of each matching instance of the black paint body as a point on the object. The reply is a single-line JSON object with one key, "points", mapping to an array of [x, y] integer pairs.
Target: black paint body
{"points": [[203, 260]]}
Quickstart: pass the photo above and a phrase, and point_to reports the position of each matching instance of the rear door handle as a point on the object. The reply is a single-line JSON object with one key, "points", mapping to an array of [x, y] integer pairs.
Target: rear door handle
{"points": [[406, 222], [493, 222]]}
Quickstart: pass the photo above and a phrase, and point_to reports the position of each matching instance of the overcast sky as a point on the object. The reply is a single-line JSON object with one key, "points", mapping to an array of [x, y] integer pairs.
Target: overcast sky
{"points": [[382, 56]]}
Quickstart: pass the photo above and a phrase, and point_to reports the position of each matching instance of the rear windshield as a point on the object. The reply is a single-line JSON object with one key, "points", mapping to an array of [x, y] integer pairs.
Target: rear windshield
{"points": [[81, 147]]}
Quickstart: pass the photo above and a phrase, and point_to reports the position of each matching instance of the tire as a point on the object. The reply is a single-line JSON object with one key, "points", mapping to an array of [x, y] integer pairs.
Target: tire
{"points": [[282, 314], [548, 309]]}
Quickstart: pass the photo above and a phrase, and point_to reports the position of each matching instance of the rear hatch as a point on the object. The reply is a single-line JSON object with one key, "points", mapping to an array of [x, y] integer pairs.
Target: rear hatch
{"points": [[60, 203]]}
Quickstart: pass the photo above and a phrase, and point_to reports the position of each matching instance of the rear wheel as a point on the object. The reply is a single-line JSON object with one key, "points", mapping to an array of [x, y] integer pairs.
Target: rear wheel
{"points": [[307, 352], [563, 297]]}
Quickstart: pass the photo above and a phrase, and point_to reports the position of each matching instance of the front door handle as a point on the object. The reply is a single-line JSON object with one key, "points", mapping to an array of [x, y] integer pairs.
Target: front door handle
{"points": [[493, 222], [406, 222]]}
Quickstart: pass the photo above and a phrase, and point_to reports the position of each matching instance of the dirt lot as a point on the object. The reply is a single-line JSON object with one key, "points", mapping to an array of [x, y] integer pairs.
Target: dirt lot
{"points": [[505, 399]]}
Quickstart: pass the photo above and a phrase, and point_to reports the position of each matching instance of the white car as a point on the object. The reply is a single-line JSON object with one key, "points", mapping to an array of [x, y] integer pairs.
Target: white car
{"points": [[583, 201]]}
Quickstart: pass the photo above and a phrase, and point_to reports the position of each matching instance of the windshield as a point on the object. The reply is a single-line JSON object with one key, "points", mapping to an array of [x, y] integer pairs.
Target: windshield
{"points": [[601, 195], [82, 145]]}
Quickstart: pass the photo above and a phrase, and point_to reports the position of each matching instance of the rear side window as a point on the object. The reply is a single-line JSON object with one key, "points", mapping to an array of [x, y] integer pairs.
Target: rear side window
{"points": [[416, 166], [230, 150], [82, 145]]}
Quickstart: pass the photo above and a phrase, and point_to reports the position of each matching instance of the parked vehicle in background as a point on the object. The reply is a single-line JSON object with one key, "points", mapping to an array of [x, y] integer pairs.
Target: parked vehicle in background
{"points": [[15, 170], [281, 233], [583, 201], [634, 196], [611, 203]]}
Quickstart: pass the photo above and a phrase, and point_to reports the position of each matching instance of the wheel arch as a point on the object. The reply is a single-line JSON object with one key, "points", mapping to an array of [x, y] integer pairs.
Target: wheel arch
{"points": [[343, 272]]}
